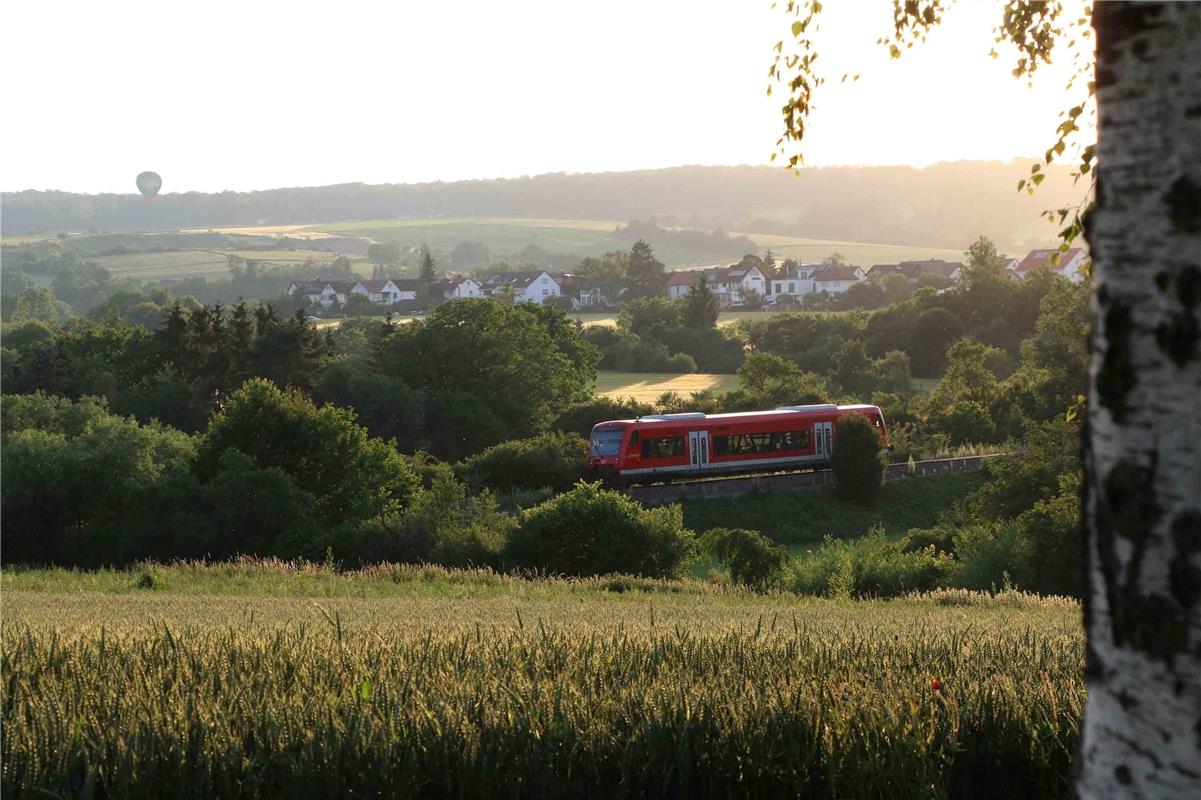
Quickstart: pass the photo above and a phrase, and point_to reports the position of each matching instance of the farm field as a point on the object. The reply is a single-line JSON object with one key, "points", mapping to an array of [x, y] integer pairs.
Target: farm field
{"points": [[198, 263], [864, 254], [259, 680], [647, 386], [501, 235]]}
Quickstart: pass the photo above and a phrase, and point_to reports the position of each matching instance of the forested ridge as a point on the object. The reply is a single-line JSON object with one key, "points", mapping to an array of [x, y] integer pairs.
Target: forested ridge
{"points": [[942, 205]]}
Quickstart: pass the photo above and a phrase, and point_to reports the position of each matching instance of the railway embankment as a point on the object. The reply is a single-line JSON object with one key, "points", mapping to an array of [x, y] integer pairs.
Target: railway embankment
{"points": [[660, 494]]}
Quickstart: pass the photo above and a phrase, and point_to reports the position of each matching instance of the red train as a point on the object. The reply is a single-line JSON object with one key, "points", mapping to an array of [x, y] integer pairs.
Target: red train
{"points": [[666, 446]]}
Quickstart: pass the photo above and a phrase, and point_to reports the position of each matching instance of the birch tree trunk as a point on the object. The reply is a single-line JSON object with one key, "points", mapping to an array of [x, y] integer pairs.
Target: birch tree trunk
{"points": [[1142, 459]]}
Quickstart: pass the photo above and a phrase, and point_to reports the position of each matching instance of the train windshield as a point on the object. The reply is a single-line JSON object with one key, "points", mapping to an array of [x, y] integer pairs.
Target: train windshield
{"points": [[607, 442]]}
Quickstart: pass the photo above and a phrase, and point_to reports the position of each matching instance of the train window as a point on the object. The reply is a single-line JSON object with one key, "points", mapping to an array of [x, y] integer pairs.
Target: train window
{"points": [[665, 447], [607, 442], [774, 442]]}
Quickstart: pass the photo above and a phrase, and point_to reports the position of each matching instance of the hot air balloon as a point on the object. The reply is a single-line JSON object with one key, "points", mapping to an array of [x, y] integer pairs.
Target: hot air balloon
{"points": [[149, 183]]}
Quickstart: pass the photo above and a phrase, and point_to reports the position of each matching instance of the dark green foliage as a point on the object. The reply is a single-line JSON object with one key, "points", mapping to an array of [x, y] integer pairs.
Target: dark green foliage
{"points": [[645, 275], [858, 461], [700, 306], [554, 460], [581, 417], [933, 332], [387, 406], [623, 351], [524, 362], [444, 525], [590, 531], [871, 566], [987, 556], [1050, 547], [769, 381], [348, 474], [82, 486], [804, 517], [1015, 483], [658, 321], [752, 558]]}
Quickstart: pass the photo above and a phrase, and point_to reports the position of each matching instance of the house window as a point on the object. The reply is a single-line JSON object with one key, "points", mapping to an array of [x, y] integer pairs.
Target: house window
{"points": [[792, 288], [545, 280], [545, 292]]}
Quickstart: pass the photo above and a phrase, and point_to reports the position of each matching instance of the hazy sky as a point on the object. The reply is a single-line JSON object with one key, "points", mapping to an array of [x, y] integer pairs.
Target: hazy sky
{"points": [[254, 95]]}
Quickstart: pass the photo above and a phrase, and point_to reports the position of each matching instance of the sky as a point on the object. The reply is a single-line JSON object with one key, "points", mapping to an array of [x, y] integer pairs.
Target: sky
{"points": [[256, 94]]}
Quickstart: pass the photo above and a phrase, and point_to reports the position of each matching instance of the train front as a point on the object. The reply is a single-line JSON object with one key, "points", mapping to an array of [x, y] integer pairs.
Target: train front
{"points": [[605, 450]]}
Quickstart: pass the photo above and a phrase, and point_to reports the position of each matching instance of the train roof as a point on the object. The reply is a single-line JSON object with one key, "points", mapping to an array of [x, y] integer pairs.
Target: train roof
{"points": [[781, 411]]}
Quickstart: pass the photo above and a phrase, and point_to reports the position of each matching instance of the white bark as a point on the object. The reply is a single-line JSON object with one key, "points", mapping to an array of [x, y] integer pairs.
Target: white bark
{"points": [[1142, 727]]}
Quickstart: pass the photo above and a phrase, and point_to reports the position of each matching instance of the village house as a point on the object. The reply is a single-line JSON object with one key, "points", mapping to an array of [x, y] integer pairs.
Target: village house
{"points": [[379, 291], [912, 270], [730, 285], [1070, 264], [527, 287], [800, 280], [458, 288], [322, 293]]}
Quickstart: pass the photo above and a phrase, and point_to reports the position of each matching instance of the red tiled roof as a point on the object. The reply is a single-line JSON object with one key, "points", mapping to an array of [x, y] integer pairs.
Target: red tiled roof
{"points": [[684, 277], [1041, 259], [375, 285], [836, 272]]}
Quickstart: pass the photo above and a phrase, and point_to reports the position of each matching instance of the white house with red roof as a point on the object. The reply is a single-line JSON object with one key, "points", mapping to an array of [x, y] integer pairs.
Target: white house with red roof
{"points": [[379, 291], [458, 288], [1069, 265], [729, 284], [535, 286], [321, 292], [798, 281]]}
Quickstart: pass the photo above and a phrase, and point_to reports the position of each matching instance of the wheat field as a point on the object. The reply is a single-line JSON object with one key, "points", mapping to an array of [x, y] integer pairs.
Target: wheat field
{"points": [[647, 386], [273, 680]]}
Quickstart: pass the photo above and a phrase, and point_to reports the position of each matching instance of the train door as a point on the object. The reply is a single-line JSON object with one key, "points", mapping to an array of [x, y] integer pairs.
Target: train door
{"points": [[698, 449], [823, 437]]}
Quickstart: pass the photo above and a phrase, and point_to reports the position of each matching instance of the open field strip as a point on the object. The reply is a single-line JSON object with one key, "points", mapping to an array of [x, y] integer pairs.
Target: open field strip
{"points": [[864, 254], [412, 682], [647, 386], [199, 263], [290, 231]]}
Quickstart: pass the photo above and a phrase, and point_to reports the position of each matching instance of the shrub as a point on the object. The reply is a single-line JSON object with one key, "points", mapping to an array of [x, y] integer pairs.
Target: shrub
{"points": [[965, 421], [753, 559], [1050, 543], [858, 460], [868, 567], [444, 525], [554, 460], [581, 417], [942, 539], [987, 555], [589, 531], [349, 474]]}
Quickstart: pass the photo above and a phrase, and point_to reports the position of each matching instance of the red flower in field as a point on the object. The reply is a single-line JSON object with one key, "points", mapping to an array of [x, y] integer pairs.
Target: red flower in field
{"points": [[935, 684]]}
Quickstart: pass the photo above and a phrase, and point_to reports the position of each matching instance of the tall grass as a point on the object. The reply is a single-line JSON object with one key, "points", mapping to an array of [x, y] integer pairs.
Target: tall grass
{"points": [[580, 691]]}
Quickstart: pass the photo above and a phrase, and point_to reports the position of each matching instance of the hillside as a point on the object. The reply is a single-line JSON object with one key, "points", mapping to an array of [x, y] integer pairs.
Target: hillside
{"points": [[943, 205]]}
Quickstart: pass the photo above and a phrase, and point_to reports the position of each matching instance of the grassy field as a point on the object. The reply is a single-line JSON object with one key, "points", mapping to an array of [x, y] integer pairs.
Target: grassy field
{"points": [[198, 263], [865, 254], [802, 518], [265, 681], [647, 386]]}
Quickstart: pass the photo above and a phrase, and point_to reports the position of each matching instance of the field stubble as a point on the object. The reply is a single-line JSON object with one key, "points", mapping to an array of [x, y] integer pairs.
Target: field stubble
{"points": [[474, 685]]}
